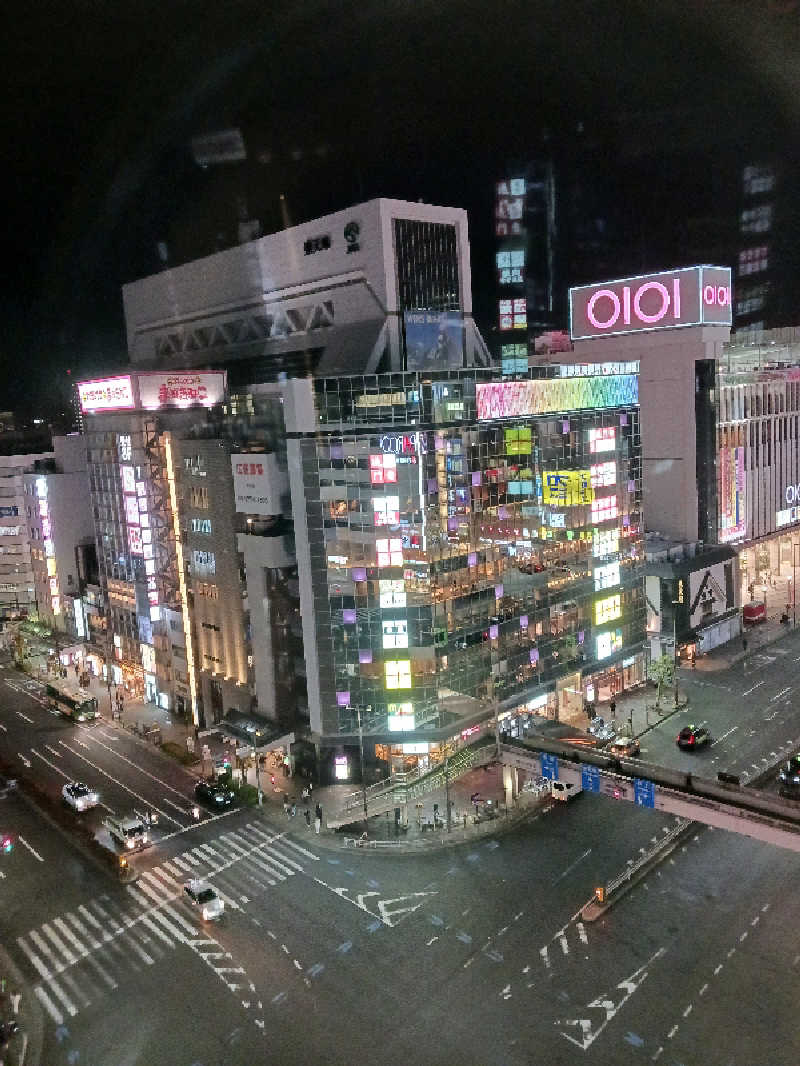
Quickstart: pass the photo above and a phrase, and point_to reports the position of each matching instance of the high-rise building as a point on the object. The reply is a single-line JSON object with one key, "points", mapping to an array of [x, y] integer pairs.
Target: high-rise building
{"points": [[17, 587], [363, 526]]}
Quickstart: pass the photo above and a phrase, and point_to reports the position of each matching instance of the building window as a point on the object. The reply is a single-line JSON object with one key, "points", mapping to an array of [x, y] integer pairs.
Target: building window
{"points": [[605, 509], [756, 180], [756, 219], [608, 643], [510, 266], [201, 525], [199, 497], [386, 510], [427, 265], [753, 260], [606, 577], [389, 552], [204, 562], [607, 610], [209, 591], [395, 634], [383, 469], [392, 593], [513, 314], [398, 673]]}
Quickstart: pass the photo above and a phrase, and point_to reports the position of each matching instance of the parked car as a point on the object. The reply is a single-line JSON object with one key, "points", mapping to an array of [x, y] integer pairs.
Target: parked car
{"points": [[79, 796], [692, 737], [624, 747], [214, 794], [201, 896]]}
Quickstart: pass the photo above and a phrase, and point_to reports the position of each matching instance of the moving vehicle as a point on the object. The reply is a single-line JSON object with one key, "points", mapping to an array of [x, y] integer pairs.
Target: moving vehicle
{"points": [[71, 701], [200, 895], [214, 794], [129, 831], [692, 737], [789, 777], [626, 747], [79, 796], [7, 785], [601, 730], [564, 791]]}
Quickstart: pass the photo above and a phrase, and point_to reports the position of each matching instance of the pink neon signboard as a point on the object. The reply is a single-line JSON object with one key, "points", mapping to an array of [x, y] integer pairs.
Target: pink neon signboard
{"points": [[692, 296]]}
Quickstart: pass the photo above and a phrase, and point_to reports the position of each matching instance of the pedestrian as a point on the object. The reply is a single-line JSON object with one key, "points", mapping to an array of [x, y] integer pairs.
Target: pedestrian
{"points": [[286, 806], [317, 825], [310, 787], [294, 809], [613, 708], [307, 813], [744, 643], [305, 793]]}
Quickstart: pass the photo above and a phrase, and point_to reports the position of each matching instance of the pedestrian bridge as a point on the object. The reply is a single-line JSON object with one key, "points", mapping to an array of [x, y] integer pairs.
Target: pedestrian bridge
{"points": [[721, 803]]}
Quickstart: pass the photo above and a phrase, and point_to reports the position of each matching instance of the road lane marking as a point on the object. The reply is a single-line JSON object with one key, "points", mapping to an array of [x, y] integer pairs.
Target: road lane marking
{"points": [[780, 694], [33, 851], [58, 770], [100, 770], [51, 750], [731, 730], [91, 735], [3, 728], [753, 688], [27, 719], [26, 761], [574, 864]]}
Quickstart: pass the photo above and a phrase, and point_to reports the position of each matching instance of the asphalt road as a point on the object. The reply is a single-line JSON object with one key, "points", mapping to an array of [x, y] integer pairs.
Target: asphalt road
{"points": [[475, 954], [752, 709]]}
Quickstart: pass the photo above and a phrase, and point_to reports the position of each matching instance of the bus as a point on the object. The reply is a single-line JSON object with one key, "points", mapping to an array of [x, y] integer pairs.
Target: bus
{"points": [[71, 701]]}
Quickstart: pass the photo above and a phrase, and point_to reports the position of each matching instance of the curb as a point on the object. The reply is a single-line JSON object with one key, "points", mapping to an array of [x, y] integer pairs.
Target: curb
{"points": [[663, 718]]}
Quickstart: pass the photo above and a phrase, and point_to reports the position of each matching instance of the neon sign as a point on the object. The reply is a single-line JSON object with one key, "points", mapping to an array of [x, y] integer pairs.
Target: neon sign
{"points": [[693, 296], [516, 399], [107, 394]]}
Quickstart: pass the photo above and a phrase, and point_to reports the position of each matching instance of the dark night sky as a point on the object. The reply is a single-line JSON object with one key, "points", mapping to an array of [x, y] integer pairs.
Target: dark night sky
{"points": [[337, 103]]}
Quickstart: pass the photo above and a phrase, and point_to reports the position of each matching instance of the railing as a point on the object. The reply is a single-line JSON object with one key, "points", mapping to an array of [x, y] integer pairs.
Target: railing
{"points": [[634, 868]]}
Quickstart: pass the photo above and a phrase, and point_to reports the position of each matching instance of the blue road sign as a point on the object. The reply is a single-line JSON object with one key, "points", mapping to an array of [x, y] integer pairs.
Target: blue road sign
{"points": [[590, 778], [644, 792], [550, 766]]}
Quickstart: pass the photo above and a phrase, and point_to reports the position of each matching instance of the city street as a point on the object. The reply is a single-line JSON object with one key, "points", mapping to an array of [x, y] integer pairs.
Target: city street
{"points": [[474, 954]]}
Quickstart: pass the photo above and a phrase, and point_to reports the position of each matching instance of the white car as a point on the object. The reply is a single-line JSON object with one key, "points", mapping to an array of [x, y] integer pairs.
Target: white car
{"points": [[200, 895], [79, 796], [601, 730]]}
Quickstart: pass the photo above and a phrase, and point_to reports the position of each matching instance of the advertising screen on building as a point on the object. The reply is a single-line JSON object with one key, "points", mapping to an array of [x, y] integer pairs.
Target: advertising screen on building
{"points": [[434, 340], [107, 394], [731, 494], [711, 593], [185, 389], [518, 399], [693, 296], [258, 483]]}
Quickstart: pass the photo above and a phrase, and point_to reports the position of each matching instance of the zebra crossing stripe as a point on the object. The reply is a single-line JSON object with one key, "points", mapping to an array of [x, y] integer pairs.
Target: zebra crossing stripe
{"points": [[172, 870], [184, 866], [45, 950], [34, 960], [161, 919], [259, 852], [93, 942], [52, 935], [48, 1005], [582, 933], [242, 853], [59, 993], [65, 930], [156, 929], [564, 943], [298, 847]]}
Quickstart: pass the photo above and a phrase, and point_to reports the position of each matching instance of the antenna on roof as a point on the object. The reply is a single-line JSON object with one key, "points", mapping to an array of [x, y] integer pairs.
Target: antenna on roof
{"points": [[287, 222]]}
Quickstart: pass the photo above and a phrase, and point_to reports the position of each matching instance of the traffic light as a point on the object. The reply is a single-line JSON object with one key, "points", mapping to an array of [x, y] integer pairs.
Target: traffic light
{"points": [[7, 844], [600, 893]]}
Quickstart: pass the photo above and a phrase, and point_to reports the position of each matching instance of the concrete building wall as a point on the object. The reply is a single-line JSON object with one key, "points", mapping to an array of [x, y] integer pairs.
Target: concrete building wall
{"points": [[17, 588]]}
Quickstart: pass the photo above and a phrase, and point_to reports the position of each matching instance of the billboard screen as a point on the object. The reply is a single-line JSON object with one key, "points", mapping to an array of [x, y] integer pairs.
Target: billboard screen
{"points": [[518, 399], [183, 389], [258, 483], [434, 340], [107, 394], [693, 296]]}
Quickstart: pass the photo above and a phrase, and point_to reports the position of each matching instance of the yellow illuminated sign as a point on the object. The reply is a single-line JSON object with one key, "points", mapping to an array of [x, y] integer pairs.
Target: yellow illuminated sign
{"points": [[567, 487]]}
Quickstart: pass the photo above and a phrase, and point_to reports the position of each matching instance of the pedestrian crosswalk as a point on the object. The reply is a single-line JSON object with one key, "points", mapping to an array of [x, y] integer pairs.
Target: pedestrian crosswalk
{"points": [[80, 956]]}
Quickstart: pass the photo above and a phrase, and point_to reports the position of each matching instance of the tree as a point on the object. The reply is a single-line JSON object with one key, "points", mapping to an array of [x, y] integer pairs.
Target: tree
{"points": [[662, 671]]}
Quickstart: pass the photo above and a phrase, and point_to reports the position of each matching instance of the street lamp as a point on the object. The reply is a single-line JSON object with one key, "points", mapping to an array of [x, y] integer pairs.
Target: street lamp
{"points": [[795, 549], [361, 758], [258, 774], [675, 646]]}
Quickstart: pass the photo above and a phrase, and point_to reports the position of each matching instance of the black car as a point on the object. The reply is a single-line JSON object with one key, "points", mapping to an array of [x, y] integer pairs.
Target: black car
{"points": [[214, 794], [692, 737], [789, 777]]}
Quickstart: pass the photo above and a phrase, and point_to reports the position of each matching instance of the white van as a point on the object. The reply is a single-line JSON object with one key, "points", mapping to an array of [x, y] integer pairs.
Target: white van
{"points": [[129, 832], [564, 790]]}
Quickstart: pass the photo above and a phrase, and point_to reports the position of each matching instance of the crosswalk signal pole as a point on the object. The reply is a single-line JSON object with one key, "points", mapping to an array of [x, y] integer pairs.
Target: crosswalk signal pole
{"points": [[258, 776]]}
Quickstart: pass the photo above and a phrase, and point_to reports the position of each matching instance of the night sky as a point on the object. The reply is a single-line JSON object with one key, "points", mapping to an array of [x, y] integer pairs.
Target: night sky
{"points": [[337, 103]]}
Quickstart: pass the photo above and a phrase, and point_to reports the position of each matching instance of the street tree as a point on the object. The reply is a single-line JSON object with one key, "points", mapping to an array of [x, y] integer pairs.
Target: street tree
{"points": [[662, 671]]}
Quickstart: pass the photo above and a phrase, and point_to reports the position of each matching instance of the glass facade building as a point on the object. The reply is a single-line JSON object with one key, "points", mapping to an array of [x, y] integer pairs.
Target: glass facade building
{"points": [[474, 544]]}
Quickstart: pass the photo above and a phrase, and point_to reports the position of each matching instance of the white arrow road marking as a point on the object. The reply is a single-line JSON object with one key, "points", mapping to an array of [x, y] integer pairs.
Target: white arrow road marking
{"points": [[390, 916], [3, 728], [26, 761], [628, 986], [342, 893]]}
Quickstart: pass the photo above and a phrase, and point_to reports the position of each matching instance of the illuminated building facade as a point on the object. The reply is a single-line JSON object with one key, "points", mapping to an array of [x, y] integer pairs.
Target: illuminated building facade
{"points": [[61, 532], [465, 543], [17, 587]]}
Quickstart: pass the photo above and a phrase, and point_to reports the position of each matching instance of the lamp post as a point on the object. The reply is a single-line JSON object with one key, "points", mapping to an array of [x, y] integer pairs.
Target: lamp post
{"points": [[361, 759], [675, 646], [447, 788], [795, 548]]}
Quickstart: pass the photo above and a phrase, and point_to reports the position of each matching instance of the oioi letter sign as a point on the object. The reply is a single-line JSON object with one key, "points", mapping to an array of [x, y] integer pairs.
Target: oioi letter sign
{"points": [[692, 296]]}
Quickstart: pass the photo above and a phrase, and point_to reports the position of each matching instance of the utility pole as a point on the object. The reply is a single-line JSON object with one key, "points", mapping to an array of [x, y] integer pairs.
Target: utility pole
{"points": [[675, 646], [361, 758]]}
